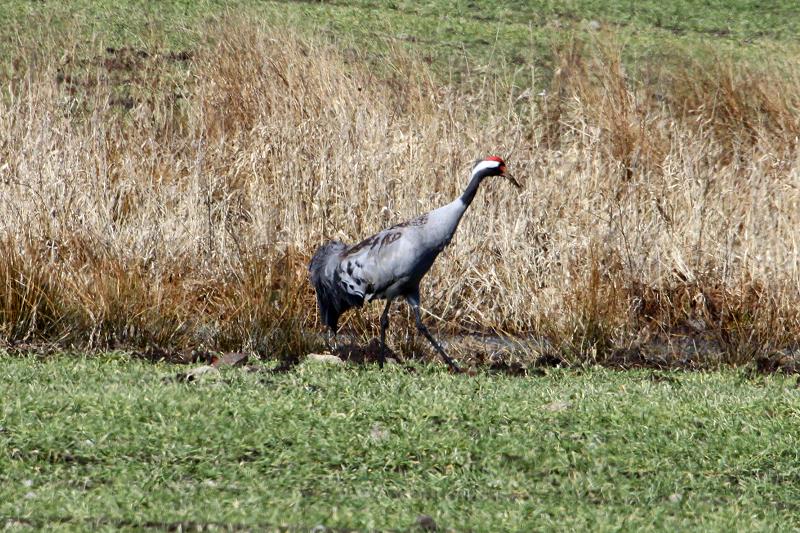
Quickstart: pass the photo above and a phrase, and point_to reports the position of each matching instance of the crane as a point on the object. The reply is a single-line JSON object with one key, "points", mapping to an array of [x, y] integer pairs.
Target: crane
{"points": [[391, 263]]}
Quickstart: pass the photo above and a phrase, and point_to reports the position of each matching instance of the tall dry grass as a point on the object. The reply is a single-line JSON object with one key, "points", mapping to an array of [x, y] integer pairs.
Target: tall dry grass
{"points": [[173, 200]]}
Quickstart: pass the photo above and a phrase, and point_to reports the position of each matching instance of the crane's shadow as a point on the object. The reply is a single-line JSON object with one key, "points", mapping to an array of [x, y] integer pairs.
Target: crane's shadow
{"points": [[492, 354], [356, 352]]}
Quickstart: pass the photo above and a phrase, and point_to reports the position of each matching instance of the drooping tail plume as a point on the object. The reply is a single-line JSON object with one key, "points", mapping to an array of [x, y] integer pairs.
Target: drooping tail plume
{"points": [[331, 299]]}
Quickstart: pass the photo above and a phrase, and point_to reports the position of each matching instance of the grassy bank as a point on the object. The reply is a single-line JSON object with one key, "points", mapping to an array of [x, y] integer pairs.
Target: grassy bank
{"points": [[171, 194], [105, 442], [449, 33]]}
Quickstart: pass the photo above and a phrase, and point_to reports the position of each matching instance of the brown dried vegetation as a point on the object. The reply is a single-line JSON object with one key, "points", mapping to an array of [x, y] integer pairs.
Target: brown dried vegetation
{"points": [[173, 200]]}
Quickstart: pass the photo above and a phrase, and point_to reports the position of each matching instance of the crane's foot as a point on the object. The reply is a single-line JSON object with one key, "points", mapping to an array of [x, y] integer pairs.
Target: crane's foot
{"points": [[413, 301], [391, 358], [454, 368]]}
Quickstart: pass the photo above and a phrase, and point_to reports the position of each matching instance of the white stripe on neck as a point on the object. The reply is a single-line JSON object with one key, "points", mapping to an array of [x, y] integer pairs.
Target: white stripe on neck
{"points": [[483, 165]]}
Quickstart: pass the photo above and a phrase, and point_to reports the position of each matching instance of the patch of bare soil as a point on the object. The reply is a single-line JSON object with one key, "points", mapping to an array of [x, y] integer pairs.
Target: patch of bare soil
{"points": [[475, 354], [123, 68]]}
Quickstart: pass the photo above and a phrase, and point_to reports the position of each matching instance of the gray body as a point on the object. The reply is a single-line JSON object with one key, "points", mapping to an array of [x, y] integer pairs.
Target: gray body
{"points": [[391, 263]]}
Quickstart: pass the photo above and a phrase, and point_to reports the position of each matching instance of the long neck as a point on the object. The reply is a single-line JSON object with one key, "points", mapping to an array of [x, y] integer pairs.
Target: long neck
{"points": [[444, 221], [472, 188]]}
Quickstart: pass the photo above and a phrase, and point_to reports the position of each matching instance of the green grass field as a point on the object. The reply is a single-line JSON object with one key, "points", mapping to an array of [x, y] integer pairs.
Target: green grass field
{"points": [[455, 34], [112, 442], [105, 442]]}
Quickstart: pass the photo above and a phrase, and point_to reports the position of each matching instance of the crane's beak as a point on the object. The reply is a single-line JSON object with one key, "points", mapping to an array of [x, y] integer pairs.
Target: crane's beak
{"points": [[511, 178]]}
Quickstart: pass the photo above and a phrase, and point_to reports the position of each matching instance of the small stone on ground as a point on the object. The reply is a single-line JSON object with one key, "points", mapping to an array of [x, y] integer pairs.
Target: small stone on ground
{"points": [[324, 358]]}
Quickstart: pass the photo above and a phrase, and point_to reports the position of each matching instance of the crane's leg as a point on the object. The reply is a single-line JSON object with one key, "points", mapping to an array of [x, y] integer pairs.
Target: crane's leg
{"points": [[384, 325], [330, 341], [413, 301]]}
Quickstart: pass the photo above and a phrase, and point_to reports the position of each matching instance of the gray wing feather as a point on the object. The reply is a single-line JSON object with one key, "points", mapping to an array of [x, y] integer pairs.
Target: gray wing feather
{"points": [[383, 265], [374, 265]]}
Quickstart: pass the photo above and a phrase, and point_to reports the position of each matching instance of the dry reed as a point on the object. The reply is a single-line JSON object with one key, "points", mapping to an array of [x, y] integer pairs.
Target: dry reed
{"points": [[179, 206]]}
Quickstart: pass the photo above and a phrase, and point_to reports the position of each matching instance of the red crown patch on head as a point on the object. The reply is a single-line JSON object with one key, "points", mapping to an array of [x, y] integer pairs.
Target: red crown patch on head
{"points": [[494, 158]]}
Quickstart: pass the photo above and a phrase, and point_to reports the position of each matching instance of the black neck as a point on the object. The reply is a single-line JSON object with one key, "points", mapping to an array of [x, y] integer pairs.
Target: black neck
{"points": [[472, 188]]}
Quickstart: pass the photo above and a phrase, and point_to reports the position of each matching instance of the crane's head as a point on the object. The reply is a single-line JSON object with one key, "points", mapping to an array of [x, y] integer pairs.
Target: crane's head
{"points": [[493, 166]]}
